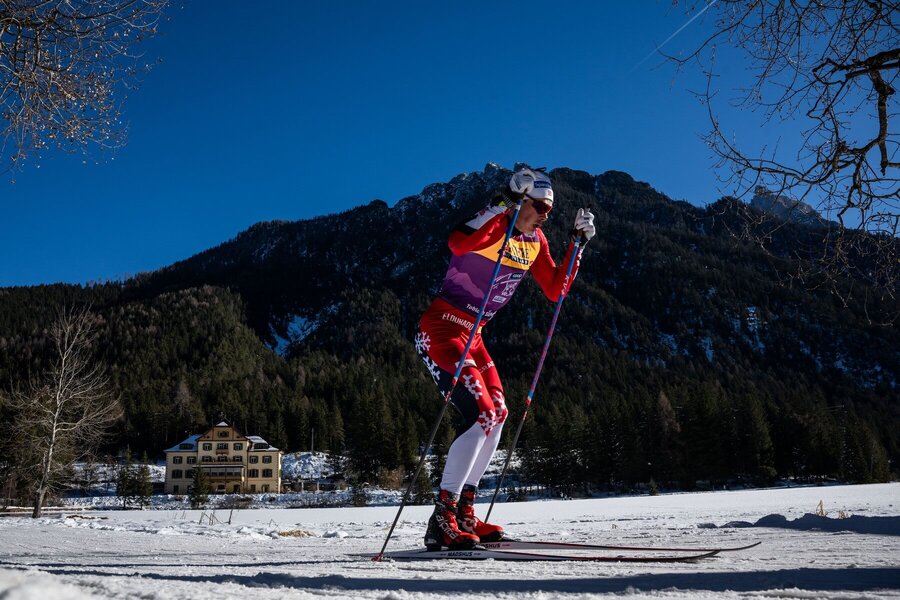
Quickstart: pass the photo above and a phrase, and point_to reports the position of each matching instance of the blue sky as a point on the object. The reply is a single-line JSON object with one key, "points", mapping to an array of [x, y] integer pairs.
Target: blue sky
{"points": [[287, 110]]}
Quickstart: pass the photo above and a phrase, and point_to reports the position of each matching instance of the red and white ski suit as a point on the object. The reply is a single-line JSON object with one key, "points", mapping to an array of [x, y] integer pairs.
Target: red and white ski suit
{"points": [[446, 325]]}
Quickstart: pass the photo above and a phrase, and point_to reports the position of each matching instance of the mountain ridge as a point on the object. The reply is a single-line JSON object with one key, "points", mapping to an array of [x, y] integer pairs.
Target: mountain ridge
{"points": [[668, 304]]}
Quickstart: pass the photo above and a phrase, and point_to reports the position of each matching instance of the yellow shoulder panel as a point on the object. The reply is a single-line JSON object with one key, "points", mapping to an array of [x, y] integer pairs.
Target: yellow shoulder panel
{"points": [[519, 254]]}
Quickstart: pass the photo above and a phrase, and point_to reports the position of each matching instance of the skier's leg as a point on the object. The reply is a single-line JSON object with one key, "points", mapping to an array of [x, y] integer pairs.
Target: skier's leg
{"points": [[491, 380], [468, 522], [470, 398], [480, 421], [440, 345], [443, 527], [460, 458]]}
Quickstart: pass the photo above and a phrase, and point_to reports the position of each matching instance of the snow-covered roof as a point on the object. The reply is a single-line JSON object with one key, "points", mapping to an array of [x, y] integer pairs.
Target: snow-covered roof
{"points": [[191, 440], [222, 424], [255, 439]]}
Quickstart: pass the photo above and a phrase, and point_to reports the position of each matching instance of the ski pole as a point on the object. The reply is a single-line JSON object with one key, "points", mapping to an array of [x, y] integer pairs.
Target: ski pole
{"points": [[459, 368], [537, 373]]}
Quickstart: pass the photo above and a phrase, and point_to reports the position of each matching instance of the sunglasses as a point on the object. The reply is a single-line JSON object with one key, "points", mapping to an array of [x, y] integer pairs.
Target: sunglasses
{"points": [[541, 207]]}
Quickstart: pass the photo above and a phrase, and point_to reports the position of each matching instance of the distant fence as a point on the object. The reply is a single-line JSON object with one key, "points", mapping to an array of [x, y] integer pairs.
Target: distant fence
{"points": [[26, 511]]}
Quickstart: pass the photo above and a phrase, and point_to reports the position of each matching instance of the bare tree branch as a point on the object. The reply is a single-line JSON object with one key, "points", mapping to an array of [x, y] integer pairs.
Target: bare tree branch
{"points": [[61, 64], [835, 63]]}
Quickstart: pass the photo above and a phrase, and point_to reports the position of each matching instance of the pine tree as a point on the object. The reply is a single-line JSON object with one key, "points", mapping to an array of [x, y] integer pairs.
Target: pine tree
{"points": [[753, 444], [863, 460], [143, 483], [199, 494], [423, 492], [664, 440], [125, 481], [336, 431], [186, 409]]}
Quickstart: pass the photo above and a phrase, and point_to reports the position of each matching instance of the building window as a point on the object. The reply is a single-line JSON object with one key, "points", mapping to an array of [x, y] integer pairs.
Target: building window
{"points": [[267, 459], [223, 458], [206, 459], [265, 488], [238, 446], [223, 434], [207, 447], [192, 460], [267, 472], [222, 446], [254, 459], [176, 460], [237, 458], [177, 474], [174, 489], [252, 487], [220, 487], [254, 473]]}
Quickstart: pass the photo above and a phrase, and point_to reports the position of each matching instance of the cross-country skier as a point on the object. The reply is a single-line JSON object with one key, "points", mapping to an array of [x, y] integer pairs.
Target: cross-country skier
{"points": [[446, 325]]}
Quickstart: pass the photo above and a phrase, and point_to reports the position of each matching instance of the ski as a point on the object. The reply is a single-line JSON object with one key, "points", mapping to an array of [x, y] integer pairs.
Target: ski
{"points": [[513, 544], [506, 555]]}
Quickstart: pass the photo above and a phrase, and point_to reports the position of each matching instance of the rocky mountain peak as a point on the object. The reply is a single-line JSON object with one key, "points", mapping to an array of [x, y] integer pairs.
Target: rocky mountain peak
{"points": [[785, 208]]}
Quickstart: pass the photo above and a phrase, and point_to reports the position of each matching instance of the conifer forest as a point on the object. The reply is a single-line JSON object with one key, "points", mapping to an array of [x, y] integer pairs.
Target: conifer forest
{"points": [[682, 355]]}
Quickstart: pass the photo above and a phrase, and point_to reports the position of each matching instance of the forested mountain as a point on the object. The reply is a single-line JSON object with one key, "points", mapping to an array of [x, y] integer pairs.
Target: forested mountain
{"points": [[680, 355]]}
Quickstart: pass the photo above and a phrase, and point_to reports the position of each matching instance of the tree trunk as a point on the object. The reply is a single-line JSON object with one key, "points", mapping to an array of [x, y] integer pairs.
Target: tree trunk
{"points": [[38, 503]]}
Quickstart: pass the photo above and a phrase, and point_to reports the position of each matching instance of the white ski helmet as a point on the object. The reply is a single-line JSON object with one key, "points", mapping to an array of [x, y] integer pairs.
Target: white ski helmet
{"points": [[532, 183]]}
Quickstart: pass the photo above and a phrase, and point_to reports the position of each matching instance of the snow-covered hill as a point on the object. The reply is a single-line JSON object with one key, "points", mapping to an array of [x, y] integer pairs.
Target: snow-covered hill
{"points": [[315, 553], [308, 465]]}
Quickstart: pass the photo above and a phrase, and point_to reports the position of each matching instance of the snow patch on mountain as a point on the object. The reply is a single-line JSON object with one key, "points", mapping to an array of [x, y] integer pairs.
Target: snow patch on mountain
{"points": [[669, 341], [297, 328], [752, 319], [707, 345]]}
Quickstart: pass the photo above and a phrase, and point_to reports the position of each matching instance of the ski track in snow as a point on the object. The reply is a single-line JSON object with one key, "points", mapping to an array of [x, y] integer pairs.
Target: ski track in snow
{"points": [[169, 555]]}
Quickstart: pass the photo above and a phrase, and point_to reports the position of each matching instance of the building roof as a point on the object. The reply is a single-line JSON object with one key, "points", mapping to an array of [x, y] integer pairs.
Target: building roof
{"points": [[191, 440], [208, 434], [255, 439]]}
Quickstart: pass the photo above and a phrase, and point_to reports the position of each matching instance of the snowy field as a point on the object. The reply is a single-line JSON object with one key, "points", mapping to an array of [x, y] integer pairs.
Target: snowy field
{"points": [[159, 554]]}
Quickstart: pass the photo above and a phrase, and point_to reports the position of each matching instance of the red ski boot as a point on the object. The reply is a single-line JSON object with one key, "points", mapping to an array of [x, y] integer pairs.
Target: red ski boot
{"points": [[469, 523], [443, 529]]}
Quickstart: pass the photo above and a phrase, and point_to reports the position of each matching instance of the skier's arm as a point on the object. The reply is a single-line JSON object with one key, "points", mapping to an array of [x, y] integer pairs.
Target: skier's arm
{"points": [[478, 232], [551, 276]]}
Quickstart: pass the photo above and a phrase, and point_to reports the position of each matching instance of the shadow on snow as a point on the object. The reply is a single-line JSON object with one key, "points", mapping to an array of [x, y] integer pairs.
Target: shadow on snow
{"points": [[810, 522], [852, 579]]}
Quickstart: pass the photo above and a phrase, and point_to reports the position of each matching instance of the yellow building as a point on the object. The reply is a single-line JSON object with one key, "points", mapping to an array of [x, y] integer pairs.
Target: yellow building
{"points": [[233, 462]]}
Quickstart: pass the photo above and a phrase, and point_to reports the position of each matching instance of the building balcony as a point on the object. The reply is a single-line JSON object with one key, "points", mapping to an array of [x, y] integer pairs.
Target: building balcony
{"points": [[218, 473]]}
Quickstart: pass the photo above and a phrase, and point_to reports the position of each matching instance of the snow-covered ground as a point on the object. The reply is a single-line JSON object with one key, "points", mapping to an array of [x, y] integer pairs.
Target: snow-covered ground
{"points": [[168, 555]]}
